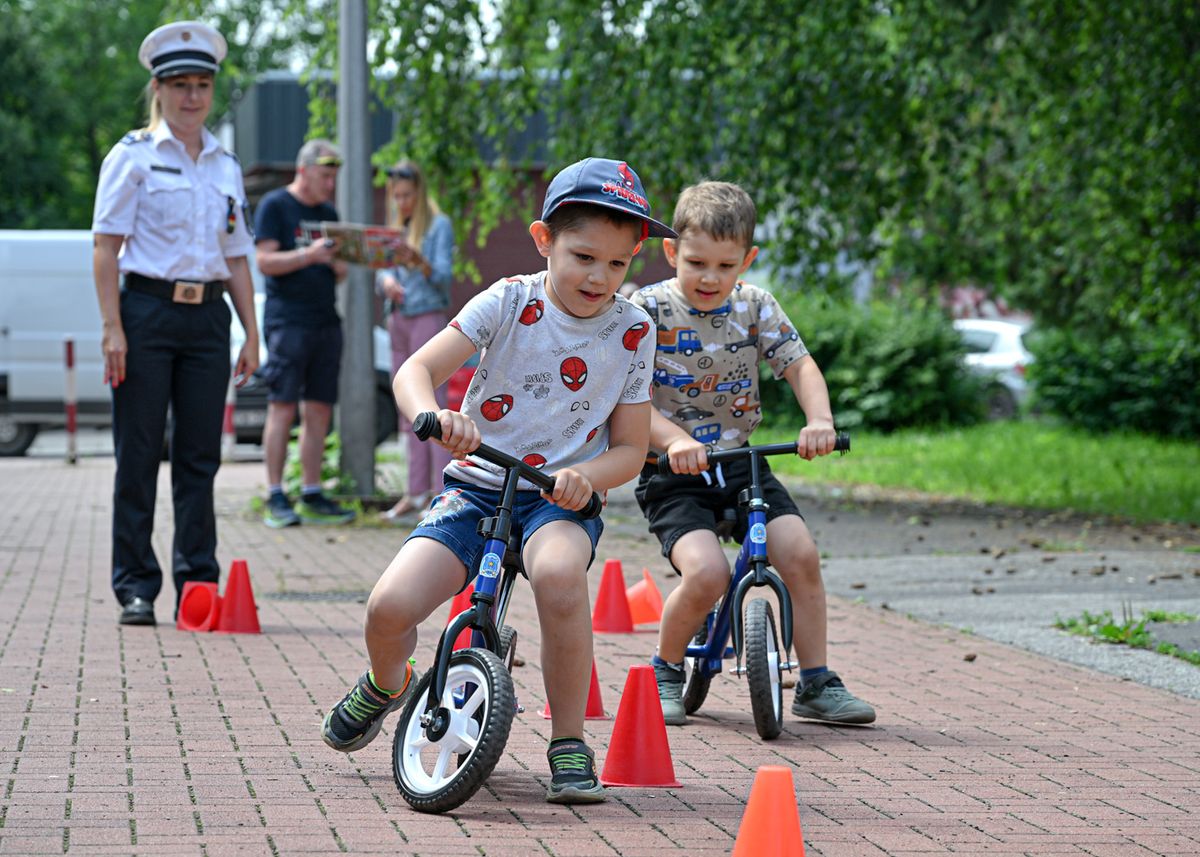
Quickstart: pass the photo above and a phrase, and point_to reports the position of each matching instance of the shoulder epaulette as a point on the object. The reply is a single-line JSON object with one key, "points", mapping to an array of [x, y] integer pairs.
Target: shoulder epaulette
{"points": [[232, 155], [136, 137]]}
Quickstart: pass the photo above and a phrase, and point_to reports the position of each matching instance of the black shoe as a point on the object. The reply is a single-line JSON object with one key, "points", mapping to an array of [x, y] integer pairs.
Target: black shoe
{"points": [[573, 773], [279, 513], [137, 611]]}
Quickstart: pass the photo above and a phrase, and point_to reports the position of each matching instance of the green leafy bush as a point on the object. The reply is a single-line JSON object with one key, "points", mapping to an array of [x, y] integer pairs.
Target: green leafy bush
{"points": [[1144, 379], [888, 364]]}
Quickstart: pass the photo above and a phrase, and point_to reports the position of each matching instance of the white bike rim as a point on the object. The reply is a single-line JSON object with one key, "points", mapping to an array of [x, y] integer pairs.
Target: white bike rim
{"points": [[429, 766]]}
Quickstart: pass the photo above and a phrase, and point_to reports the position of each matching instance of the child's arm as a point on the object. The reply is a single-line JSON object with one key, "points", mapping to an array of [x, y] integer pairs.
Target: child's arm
{"points": [[428, 369], [808, 384], [687, 455], [628, 441]]}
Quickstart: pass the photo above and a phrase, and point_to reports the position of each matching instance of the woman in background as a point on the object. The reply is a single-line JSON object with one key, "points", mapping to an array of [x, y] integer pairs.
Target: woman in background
{"points": [[416, 299]]}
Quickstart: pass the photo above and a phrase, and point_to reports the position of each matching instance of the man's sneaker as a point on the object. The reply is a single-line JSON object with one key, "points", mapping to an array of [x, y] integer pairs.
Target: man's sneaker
{"points": [[319, 509], [826, 698], [279, 513], [355, 721], [573, 773], [670, 694]]}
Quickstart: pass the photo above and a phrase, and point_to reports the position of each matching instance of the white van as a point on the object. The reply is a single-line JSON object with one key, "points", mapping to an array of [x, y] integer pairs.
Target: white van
{"points": [[47, 294]]}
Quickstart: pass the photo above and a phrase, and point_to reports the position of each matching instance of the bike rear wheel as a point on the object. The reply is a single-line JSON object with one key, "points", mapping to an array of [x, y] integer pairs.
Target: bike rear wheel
{"points": [[439, 773], [763, 675]]}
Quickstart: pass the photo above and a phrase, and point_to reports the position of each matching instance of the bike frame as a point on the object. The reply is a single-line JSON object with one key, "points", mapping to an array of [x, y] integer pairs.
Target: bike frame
{"points": [[750, 569]]}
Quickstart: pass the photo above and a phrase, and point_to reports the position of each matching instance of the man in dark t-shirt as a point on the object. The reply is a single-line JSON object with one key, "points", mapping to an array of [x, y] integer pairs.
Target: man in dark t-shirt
{"points": [[302, 330]]}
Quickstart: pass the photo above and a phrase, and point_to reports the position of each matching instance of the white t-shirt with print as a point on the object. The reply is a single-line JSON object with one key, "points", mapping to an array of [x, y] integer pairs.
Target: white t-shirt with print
{"points": [[547, 381]]}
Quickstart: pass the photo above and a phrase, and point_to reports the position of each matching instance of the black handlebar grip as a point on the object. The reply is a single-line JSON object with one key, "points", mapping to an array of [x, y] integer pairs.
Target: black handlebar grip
{"points": [[593, 508], [664, 465], [842, 444], [426, 426]]}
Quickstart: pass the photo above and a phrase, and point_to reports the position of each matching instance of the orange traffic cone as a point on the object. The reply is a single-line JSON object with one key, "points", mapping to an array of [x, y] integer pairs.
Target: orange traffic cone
{"points": [[595, 706], [239, 615], [638, 753], [460, 603], [771, 822], [645, 601], [199, 606], [611, 615]]}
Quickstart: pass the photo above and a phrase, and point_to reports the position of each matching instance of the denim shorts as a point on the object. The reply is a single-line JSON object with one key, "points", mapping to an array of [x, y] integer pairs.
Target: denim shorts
{"points": [[454, 516]]}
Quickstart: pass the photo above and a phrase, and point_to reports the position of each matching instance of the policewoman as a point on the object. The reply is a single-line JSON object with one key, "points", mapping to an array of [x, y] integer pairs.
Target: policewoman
{"points": [[170, 240]]}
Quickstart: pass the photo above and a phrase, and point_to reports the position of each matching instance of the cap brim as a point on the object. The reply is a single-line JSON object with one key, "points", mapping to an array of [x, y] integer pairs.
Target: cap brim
{"points": [[189, 67], [656, 228]]}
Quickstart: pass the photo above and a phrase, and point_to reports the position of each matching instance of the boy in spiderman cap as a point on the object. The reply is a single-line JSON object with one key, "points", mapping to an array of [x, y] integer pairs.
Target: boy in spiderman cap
{"points": [[564, 383], [724, 328]]}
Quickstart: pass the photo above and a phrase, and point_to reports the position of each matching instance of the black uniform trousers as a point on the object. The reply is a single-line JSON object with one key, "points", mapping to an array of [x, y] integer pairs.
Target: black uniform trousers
{"points": [[178, 354]]}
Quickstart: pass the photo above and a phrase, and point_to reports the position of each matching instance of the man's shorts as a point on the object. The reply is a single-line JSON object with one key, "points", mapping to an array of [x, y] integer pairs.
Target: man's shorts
{"points": [[303, 363], [454, 516], [677, 504]]}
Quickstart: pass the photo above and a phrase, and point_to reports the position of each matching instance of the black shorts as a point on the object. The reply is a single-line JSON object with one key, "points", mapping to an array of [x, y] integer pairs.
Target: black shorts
{"points": [[677, 504], [303, 363]]}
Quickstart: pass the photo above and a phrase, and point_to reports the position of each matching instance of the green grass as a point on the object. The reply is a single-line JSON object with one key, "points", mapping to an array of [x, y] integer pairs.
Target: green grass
{"points": [[1021, 463], [1129, 631]]}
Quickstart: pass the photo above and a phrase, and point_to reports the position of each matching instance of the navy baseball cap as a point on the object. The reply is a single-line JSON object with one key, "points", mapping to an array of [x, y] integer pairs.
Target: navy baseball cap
{"points": [[609, 184]]}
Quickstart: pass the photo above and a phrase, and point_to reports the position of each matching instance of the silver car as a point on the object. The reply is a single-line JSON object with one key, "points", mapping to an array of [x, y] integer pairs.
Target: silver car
{"points": [[996, 352]]}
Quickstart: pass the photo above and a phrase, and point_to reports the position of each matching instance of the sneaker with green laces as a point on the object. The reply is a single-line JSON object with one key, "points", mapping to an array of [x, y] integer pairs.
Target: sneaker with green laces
{"points": [[355, 721], [670, 693], [319, 509], [573, 773], [825, 698], [279, 513]]}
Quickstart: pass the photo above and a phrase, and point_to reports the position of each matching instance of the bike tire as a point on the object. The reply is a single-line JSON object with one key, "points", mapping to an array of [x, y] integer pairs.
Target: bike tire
{"points": [[696, 682], [508, 646], [438, 776], [763, 673]]}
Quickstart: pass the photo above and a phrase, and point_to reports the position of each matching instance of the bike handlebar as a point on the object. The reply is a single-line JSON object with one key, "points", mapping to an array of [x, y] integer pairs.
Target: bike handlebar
{"points": [[841, 444], [426, 426]]}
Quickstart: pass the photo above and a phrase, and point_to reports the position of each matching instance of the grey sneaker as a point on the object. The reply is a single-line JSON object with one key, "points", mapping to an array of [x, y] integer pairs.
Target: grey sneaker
{"points": [[279, 513], [355, 721], [572, 773], [319, 509], [826, 698], [670, 694]]}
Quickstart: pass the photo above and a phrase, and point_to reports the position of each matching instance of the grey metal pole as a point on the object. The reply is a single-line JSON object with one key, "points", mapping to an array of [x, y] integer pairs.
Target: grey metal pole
{"points": [[356, 417]]}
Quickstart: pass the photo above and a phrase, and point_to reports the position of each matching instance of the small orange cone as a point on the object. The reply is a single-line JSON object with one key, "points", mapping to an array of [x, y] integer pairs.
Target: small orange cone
{"points": [[611, 615], [239, 615], [645, 601], [461, 602], [771, 823], [638, 753], [595, 706], [199, 606]]}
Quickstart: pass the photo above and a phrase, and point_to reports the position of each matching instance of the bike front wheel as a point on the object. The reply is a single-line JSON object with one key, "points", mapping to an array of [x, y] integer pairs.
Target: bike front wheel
{"points": [[439, 771], [763, 675]]}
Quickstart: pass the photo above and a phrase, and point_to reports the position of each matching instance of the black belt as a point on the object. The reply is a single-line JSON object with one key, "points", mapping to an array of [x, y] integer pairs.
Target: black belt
{"points": [[179, 291]]}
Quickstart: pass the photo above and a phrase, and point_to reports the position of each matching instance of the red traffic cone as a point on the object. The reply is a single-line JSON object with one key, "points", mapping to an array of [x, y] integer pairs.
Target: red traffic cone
{"points": [[611, 615], [771, 823], [239, 615], [199, 606], [595, 706], [645, 601], [638, 753], [461, 602]]}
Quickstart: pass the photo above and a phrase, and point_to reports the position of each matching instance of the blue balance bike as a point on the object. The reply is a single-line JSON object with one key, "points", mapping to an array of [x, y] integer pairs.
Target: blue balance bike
{"points": [[454, 728], [755, 641]]}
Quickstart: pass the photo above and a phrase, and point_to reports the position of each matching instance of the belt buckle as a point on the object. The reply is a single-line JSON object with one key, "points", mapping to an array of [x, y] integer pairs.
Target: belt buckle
{"points": [[188, 292]]}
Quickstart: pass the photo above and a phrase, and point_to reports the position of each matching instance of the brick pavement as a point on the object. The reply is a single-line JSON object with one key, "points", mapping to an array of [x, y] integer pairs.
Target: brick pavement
{"points": [[152, 741]]}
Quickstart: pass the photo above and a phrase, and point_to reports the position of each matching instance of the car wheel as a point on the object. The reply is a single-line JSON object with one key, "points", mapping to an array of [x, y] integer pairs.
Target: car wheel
{"points": [[385, 415], [15, 437], [1000, 403]]}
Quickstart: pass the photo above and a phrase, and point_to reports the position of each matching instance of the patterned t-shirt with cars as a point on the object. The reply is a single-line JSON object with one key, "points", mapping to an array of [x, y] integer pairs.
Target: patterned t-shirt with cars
{"points": [[547, 381], [706, 364]]}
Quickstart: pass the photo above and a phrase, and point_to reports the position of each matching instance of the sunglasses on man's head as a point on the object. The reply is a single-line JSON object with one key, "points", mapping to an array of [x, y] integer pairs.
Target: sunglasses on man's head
{"points": [[329, 161]]}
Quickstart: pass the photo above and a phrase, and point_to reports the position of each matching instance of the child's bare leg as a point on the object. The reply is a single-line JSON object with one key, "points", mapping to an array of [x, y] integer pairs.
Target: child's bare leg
{"points": [[424, 575], [556, 558], [705, 571], [793, 553]]}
